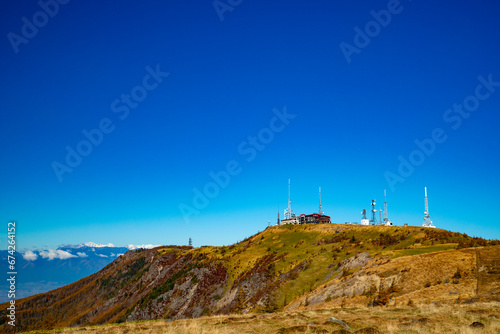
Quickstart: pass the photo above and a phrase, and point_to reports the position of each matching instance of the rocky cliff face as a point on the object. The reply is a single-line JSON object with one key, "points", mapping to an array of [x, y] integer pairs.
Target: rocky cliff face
{"points": [[285, 267], [441, 277]]}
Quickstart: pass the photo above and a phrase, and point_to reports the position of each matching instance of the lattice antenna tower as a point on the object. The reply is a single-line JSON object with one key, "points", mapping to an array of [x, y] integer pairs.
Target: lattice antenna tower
{"points": [[386, 219], [374, 211], [288, 212], [427, 217]]}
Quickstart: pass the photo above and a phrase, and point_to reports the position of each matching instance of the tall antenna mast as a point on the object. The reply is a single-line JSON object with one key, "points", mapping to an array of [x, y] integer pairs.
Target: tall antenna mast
{"points": [[427, 217], [386, 219], [289, 200], [288, 212], [320, 212], [426, 213]]}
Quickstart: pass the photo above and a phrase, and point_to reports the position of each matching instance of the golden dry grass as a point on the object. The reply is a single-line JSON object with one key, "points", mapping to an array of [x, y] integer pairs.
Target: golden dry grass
{"points": [[423, 319]]}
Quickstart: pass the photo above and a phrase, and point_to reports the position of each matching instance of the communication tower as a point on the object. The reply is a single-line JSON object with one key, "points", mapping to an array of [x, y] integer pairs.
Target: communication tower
{"points": [[427, 217], [288, 212], [374, 211], [320, 211], [364, 220], [387, 222]]}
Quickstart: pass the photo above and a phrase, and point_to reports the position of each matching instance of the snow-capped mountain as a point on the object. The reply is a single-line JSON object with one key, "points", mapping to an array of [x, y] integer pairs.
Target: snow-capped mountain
{"points": [[89, 244], [110, 245], [149, 246], [47, 269]]}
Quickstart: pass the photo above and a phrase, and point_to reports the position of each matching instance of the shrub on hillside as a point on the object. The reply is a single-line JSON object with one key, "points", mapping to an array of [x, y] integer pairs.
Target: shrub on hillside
{"points": [[385, 240]]}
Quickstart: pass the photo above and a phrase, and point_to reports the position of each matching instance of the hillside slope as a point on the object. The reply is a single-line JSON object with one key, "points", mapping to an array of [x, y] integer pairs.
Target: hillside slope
{"points": [[290, 267]]}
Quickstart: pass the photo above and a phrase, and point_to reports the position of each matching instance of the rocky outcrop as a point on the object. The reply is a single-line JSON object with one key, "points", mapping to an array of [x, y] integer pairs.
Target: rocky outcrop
{"points": [[443, 277]]}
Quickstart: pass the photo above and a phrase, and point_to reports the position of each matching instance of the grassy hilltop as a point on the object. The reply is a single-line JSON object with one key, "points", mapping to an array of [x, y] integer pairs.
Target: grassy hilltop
{"points": [[302, 268]]}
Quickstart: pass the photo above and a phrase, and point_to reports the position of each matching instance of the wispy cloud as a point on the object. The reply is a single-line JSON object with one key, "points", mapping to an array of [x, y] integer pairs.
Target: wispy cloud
{"points": [[56, 254], [30, 256]]}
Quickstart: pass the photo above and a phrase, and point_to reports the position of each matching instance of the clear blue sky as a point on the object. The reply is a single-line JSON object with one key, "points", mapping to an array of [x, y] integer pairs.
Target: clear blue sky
{"points": [[356, 103]]}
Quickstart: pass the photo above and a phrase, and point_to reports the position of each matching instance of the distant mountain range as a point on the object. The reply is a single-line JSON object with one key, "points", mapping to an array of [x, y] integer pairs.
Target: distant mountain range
{"points": [[44, 270]]}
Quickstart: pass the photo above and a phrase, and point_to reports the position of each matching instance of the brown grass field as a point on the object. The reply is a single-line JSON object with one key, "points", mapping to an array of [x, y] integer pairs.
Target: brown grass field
{"points": [[405, 319]]}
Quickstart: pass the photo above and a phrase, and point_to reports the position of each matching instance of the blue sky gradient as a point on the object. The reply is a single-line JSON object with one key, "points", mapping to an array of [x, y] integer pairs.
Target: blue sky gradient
{"points": [[351, 118]]}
